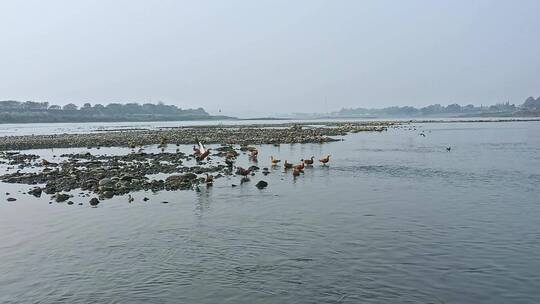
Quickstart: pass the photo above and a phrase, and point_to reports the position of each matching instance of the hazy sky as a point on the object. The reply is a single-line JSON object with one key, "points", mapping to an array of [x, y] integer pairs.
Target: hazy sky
{"points": [[261, 57]]}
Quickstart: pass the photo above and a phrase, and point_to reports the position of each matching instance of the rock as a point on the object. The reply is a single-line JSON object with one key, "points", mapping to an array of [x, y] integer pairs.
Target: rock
{"points": [[164, 202], [80, 204], [94, 202], [180, 182], [261, 184], [61, 197], [70, 203], [11, 199], [107, 194], [145, 199], [105, 182], [35, 192], [225, 148]]}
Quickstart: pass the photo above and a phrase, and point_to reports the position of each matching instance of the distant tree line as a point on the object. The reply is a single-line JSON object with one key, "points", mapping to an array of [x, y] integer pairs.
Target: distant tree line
{"points": [[31, 111], [531, 107]]}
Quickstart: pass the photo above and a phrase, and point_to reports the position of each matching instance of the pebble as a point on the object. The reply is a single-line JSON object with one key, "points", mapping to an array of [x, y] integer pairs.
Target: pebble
{"points": [[61, 197], [261, 184], [94, 202]]}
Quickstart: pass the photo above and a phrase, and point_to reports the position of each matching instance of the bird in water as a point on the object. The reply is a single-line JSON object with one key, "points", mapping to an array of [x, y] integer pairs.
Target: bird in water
{"points": [[209, 180], [296, 172], [253, 155], [242, 171], [287, 165], [325, 160], [196, 151], [130, 199], [204, 152], [300, 166], [309, 161], [274, 161], [231, 154], [448, 149]]}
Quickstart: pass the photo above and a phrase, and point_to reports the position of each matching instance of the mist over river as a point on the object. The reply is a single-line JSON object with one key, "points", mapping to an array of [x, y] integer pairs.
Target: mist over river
{"points": [[393, 218]]}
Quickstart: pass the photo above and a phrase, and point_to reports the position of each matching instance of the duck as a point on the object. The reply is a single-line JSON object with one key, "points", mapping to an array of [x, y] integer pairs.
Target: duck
{"points": [[231, 154], [274, 161], [300, 167], [203, 151], [130, 199], [254, 153], [251, 149], [242, 171], [45, 162], [287, 165], [296, 172], [325, 160], [448, 149], [196, 151], [209, 179], [309, 161]]}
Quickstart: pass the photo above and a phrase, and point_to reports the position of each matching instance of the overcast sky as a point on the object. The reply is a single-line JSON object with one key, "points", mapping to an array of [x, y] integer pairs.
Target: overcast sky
{"points": [[253, 58]]}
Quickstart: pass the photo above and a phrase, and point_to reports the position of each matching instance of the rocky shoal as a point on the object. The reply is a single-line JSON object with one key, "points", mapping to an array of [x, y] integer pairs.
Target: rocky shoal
{"points": [[253, 134]]}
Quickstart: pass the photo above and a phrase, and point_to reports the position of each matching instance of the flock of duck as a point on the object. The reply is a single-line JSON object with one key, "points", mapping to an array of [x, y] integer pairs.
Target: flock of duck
{"points": [[201, 153]]}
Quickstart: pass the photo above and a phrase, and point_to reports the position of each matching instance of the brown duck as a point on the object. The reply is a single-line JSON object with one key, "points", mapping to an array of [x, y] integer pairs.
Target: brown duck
{"points": [[325, 160], [309, 161]]}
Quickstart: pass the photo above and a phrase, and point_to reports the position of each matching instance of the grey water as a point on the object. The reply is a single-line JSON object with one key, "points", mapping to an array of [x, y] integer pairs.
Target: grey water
{"points": [[19, 129], [394, 218]]}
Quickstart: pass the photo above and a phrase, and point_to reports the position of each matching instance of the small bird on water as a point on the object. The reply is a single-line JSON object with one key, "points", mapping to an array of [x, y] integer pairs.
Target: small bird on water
{"points": [[287, 165], [204, 152], [448, 149], [309, 161], [325, 160], [209, 179], [296, 171], [274, 161]]}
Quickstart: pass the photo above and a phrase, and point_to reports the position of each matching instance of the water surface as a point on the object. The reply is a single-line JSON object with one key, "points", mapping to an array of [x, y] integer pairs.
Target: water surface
{"points": [[394, 218]]}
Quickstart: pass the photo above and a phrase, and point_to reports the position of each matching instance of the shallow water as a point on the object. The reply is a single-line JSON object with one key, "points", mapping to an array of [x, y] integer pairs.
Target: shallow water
{"points": [[394, 218], [86, 127]]}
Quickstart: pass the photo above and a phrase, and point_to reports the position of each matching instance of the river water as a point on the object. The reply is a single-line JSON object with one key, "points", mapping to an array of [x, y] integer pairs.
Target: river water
{"points": [[394, 218]]}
